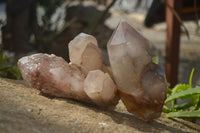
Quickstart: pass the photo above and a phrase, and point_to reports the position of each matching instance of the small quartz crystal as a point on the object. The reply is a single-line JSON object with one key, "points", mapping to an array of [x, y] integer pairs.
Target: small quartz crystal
{"points": [[141, 87], [84, 53], [101, 89]]}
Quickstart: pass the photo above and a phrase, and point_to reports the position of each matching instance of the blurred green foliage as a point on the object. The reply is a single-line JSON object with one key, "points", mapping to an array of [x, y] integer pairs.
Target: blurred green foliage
{"points": [[7, 70], [188, 109]]}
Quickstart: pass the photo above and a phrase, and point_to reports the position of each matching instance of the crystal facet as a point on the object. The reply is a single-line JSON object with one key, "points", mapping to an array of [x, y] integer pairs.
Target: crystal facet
{"points": [[141, 87], [100, 88], [84, 52]]}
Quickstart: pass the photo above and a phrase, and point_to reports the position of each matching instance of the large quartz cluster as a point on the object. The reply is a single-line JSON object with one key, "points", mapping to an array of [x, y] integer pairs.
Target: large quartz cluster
{"points": [[141, 85], [82, 79]]}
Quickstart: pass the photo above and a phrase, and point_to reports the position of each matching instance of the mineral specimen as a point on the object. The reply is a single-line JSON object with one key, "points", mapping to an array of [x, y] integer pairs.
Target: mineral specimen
{"points": [[53, 76], [141, 87], [84, 52], [100, 88]]}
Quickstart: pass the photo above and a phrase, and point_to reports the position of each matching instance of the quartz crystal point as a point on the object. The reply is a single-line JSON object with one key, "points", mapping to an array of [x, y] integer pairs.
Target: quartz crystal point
{"points": [[101, 89], [141, 87], [53, 76], [84, 53]]}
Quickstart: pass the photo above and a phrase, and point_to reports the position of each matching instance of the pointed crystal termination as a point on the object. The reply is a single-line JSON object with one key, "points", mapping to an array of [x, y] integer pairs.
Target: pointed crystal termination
{"points": [[84, 53], [141, 87], [101, 89], [99, 86], [53, 76]]}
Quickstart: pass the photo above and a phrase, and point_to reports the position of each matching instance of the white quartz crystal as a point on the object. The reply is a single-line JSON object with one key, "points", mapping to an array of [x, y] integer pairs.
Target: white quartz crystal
{"points": [[100, 88], [141, 87], [53, 76], [84, 53]]}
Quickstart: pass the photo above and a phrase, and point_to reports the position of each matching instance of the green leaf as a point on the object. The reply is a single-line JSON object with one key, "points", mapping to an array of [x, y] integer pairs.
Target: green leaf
{"points": [[189, 92], [191, 76], [198, 103], [184, 106], [185, 114], [155, 59], [169, 92], [179, 88], [166, 109]]}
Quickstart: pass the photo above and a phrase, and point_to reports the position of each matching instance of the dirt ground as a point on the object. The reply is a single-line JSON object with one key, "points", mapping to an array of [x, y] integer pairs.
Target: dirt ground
{"points": [[24, 110]]}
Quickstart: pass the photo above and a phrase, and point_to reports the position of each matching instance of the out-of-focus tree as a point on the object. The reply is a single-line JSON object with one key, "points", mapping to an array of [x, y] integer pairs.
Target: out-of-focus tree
{"points": [[31, 25], [44, 33], [21, 16], [22, 23]]}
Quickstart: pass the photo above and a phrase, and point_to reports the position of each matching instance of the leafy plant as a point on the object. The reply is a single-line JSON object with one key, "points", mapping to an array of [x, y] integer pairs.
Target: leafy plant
{"points": [[7, 70], [189, 109]]}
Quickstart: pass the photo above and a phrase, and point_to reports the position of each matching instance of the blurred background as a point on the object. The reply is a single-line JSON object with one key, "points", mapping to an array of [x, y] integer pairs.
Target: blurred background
{"points": [[32, 26]]}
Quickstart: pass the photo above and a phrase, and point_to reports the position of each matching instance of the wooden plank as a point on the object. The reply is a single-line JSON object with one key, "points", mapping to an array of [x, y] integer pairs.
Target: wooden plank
{"points": [[172, 42]]}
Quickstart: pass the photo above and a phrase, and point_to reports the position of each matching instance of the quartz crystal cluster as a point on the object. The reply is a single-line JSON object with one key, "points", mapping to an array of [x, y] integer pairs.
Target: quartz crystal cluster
{"points": [[141, 86], [84, 53], [82, 79]]}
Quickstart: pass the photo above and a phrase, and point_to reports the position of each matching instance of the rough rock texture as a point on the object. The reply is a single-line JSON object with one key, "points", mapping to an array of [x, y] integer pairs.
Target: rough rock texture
{"points": [[23, 110], [53, 76], [141, 86], [84, 53]]}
